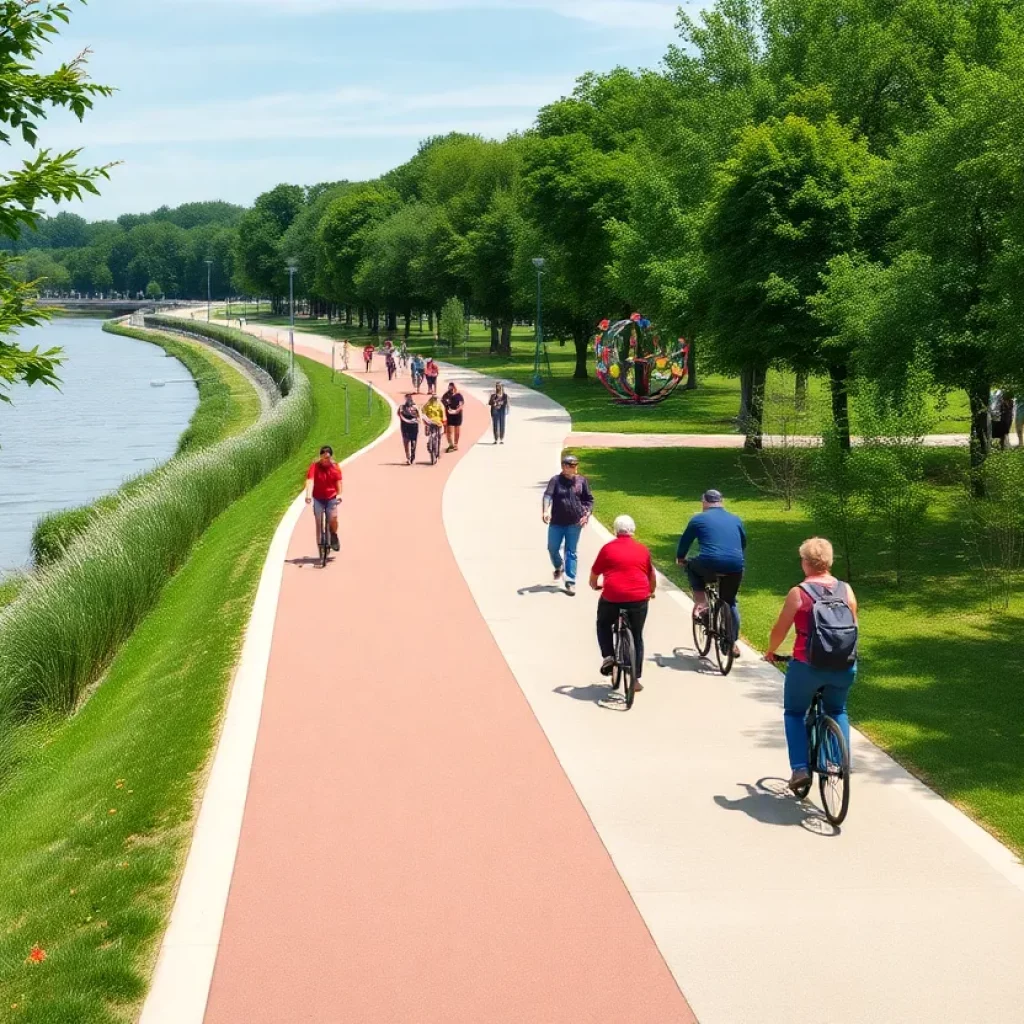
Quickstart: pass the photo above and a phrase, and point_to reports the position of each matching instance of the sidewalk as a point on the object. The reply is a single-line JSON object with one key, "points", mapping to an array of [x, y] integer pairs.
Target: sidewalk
{"points": [[411, 849]]}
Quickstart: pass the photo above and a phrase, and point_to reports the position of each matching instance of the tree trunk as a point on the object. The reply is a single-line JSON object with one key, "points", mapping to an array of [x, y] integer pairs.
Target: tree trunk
{"points": [[348, 315], [408, 323], [361, 317], [751, 417], [581, 339], [495, 338], [691, 378], [801, 391], [838, 377], [506, 337], [981, 441], [430, 321]]}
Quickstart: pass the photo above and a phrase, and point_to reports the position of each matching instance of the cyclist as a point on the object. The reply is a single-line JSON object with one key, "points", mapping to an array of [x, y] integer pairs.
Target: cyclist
{"points": [[433, 419], [389, 363], [453, 403], [722, 541], [323, 492], [566, 508], [431, 371], [629, 584], [416, 367], [409, 417], [803, 680], [403, 355], [368, 357]]}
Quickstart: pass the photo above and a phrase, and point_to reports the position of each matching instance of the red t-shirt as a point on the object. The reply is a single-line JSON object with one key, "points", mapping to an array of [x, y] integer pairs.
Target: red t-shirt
{"points": [[626, 566], [325, 480], [368, 353]]}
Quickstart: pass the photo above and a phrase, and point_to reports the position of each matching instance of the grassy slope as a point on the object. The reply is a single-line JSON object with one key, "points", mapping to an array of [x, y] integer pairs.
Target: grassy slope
{"points": [[940, 673], [711, 409], [92, 887]]}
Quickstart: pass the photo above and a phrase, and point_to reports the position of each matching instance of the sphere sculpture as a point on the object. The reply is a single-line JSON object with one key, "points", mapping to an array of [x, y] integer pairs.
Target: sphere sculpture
{"points": [[635, 365]]}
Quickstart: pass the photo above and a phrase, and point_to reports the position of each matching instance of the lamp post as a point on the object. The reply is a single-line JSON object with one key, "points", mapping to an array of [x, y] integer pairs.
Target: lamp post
{"points": [[209, 294], [293, 268], [539, 263]]}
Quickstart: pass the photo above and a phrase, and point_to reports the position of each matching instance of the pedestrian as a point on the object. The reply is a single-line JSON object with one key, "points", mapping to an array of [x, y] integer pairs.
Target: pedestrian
{"points": [[368, 357], [629, 584], [1018, 421], [409, 417], [431, 371], [453, 403], [1002, 419], [566, 508], [499, 412], [389, 362]]}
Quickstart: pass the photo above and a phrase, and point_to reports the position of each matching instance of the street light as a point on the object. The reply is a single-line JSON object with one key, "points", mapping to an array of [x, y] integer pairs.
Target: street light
{"points": [[293, 269], [209, 271], [539, 263]]}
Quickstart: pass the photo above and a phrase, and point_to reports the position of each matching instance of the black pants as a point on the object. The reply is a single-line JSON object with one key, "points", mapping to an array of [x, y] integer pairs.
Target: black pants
{"points": [[608, 615]]}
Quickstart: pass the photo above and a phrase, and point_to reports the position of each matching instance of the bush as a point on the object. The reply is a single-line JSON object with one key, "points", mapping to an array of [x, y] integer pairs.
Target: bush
{"points": [[70, 617]]}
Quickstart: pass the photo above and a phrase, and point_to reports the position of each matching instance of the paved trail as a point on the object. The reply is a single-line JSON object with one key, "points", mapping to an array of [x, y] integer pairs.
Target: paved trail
{"points": [[441, 776]]}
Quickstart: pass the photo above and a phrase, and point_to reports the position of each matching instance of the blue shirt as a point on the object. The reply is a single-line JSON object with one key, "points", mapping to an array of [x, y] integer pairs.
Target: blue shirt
{"points": [[721, 537]]}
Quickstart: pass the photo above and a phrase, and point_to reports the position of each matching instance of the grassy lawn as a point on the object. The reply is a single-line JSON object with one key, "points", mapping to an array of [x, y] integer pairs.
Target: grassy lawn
{"points": [[97, 821], [710, 409], [940, 672]]}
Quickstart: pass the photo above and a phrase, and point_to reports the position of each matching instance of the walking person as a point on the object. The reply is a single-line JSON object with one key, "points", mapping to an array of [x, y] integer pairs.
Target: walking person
{"points": [[1018, 421], [1002, 418], [566, 508], [368, 357], [416, 367], [409, 417], [823, 610], [499, 412], [390, 364], [629, 583], [453, 403], [431, 371]]}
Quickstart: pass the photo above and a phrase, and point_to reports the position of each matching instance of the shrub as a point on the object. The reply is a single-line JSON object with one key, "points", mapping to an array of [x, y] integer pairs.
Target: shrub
{"points": [[995, 526], [70, 618]]}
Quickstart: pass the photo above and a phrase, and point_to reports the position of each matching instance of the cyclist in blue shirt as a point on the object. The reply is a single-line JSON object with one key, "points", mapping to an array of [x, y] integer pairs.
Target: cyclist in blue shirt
{"points": [[722, 542]]}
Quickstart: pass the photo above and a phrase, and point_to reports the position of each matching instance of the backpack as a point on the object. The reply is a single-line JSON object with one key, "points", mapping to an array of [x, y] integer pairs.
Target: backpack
{"points": [[832, 637]]}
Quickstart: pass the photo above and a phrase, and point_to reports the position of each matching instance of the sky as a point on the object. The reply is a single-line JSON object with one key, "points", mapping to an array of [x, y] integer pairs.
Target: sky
{"points": [[223, 99]]}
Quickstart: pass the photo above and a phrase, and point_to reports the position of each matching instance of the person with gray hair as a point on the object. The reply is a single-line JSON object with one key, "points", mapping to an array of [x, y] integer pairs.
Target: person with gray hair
{"points": [[629, 583]]}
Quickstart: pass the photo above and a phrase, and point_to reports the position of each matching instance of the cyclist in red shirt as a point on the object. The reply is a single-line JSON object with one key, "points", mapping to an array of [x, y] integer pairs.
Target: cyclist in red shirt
{"points": [[368, 357], [629, 583], [323, 491]]}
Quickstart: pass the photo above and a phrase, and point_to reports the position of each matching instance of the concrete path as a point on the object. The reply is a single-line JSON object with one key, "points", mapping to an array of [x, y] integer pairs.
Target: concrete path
{"points": [[411, 849]]}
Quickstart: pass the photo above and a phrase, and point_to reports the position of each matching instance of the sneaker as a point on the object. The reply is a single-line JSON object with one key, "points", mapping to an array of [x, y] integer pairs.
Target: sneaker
{"points": [[449, 449], [503, 440], [800, 781], [558, 573], [607, 666], [570, 588], [335, 543]]}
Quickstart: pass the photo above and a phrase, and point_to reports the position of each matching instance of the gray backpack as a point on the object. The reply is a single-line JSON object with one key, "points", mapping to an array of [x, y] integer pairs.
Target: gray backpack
{"points": [[832, 638]]}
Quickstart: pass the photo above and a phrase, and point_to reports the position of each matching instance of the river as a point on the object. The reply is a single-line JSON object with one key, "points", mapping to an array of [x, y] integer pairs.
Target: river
{"points": [[108, 422]]}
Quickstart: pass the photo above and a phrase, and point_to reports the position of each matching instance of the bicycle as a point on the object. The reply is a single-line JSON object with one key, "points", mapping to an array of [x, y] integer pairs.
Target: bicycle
{"points": [[434, 443], [716, 625], [829, 758], [325, 538], [625, 658], [417, 380]]}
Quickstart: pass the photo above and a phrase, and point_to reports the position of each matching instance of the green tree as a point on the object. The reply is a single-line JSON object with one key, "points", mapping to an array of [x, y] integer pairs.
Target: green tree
{"points": [[26, 96], [453, 323]]}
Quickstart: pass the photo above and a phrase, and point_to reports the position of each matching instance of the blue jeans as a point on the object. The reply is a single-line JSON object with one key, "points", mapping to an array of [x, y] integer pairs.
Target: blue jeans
{"points": [[699, 571], [570, 537], [802, 682]]}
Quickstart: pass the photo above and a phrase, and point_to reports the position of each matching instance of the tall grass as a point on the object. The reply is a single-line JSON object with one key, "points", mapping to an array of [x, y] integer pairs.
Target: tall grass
{"points": [[59, 634]]}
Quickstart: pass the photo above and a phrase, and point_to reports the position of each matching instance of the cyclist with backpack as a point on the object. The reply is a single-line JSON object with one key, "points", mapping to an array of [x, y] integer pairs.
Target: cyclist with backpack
{"points": [[823, 610]]}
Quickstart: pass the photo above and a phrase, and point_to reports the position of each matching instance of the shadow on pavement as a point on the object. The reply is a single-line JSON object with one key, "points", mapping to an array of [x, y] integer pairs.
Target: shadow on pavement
{"points": [[771, 803], [597, 693], [542, 588], [307, 560], [684, 661]]}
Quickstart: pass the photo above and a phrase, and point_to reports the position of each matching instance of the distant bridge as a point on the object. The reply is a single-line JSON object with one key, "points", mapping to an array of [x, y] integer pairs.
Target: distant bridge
{"points": [[116, 305]]}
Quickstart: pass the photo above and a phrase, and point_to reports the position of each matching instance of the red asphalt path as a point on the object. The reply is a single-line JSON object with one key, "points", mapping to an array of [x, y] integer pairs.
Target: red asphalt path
{"points": [[412, 850]]}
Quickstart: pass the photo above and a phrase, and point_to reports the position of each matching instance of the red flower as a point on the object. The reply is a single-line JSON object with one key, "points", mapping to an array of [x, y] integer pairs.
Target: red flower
{"points": [[37, 956]]}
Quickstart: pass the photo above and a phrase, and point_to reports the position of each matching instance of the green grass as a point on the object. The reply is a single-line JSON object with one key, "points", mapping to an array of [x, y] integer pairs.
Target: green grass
{"points": [[10, 587], [940, 672], [92, 888], [228, 405], [709, 409]]}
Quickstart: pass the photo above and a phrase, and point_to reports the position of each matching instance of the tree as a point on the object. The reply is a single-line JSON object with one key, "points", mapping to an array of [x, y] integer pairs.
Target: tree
{"points": [[25, 97], [154, 291], [452, 325]]}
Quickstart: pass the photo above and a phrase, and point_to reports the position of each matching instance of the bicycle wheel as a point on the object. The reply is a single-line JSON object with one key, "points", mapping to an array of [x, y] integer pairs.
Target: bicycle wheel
{"points": [[725, 637], [432, 448], [625, 666], [701, 634], [833, 767], [325, 542]]}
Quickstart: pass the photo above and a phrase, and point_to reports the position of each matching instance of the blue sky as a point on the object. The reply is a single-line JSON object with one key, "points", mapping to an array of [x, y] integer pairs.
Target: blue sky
{"points": [[222, 99]]}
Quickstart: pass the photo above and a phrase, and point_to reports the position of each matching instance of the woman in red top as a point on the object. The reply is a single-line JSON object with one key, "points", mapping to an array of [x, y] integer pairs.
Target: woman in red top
{"points": [[368, 357], [323, 491], [629, 583]]}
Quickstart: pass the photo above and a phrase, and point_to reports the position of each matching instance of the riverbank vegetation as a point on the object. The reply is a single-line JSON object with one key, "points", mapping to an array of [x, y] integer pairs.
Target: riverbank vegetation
{"points": [[98, 816], [228, 404], [71, 617], [940, 657]]}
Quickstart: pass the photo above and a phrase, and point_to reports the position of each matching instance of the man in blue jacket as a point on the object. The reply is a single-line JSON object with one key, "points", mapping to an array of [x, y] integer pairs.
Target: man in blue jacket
{"points": [[566, 509], [722, 542]]}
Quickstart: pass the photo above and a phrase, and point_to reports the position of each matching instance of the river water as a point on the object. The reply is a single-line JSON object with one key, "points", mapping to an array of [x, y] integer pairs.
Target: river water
{"points": [[108, 422]]}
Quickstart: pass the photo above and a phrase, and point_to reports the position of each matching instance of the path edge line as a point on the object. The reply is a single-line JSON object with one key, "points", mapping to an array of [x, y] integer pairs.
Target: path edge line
{"points": [[181, 982]]}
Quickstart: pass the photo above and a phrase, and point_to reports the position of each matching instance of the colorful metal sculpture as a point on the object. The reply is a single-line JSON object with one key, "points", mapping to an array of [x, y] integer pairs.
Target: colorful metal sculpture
{"points": [[633, 363]]}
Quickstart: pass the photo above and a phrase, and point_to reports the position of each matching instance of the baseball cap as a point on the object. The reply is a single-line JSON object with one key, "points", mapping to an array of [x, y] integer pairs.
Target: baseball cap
{"points": [[570, 460]]}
